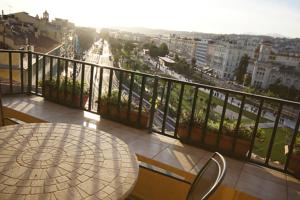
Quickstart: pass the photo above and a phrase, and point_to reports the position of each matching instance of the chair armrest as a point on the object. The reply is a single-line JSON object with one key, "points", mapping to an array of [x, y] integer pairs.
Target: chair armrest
{"points": [[162, 171], [12, 121]]}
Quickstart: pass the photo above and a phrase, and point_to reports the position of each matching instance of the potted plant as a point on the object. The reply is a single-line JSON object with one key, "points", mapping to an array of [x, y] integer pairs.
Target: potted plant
{"points": [[294, 163], [48, 88], [211, 133], [196, 129], [243, 136], [243, 140], [110, 108], [65, 92]]}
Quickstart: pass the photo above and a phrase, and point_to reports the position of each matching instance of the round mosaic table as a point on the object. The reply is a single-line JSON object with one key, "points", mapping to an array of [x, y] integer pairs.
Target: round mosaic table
{"points": [[64, 161]]}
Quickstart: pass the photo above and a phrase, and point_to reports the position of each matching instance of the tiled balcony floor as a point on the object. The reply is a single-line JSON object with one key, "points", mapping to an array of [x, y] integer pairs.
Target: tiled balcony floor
{"points": [[255, 180]]}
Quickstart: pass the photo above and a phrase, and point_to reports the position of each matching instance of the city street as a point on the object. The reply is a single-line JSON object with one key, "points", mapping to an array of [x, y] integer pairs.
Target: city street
{"points": [[104, 60], [233, 101]]}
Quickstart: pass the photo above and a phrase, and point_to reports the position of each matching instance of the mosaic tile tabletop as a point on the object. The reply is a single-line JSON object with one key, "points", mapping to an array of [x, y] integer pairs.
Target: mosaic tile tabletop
{"points": [[64, 161]]}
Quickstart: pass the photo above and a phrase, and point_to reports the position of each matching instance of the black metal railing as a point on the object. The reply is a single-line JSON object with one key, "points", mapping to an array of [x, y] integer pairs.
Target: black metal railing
{"points": [[256, 128]]}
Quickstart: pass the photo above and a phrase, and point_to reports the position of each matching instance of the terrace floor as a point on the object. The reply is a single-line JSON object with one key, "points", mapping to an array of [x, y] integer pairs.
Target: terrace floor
{"points": [[255, 180]]}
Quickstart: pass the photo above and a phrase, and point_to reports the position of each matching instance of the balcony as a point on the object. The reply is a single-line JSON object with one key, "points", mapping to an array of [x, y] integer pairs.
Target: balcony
{"points": [[187, 121]]}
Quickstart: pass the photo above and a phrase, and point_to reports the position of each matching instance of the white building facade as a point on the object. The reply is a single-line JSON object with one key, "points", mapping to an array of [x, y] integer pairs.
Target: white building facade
{"points": [[227, 55], [272, 67], [201, 53]]}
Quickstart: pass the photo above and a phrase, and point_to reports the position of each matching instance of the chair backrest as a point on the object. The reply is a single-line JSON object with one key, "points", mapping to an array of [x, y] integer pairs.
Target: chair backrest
{"points": [[208, 178]]}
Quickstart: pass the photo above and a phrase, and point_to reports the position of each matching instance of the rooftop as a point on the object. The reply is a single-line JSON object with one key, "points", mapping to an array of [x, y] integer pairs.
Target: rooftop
{"points": [[167, 59]]}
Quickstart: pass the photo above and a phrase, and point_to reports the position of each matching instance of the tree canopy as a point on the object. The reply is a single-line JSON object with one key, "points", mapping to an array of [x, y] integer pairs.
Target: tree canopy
{"points": [[155, 51], [163, 49], [242, 69], [86, 37]]}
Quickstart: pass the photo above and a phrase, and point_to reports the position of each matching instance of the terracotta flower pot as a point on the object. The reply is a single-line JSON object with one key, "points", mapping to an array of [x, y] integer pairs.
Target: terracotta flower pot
{"points": [[183, 133], [226, 143], [62, 98], [113, 113], [211, 138], [294, 164], [241, 148]]}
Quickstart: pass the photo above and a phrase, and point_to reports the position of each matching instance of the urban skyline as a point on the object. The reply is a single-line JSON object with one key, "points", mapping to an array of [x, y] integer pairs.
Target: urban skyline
{"points": [[231, 16]]}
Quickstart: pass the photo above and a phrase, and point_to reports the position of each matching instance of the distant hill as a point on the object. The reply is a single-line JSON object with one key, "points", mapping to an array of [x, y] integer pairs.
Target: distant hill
{"points": [[156, 32]]}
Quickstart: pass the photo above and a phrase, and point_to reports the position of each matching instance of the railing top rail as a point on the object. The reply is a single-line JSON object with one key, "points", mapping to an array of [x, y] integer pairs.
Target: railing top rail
{"points": [[199, 85]]}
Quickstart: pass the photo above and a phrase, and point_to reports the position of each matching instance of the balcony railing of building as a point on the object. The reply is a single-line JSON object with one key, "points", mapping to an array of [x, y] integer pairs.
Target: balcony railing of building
{"points": [[255, 128]]}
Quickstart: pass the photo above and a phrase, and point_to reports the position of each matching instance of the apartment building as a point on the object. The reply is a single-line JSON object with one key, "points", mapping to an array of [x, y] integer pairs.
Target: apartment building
{"points": [[224, 56], [182, 46], [201, 53], [276, 67]]}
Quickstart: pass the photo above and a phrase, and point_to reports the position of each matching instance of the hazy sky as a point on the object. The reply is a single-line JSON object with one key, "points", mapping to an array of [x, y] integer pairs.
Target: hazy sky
{"points": [[212, 16]]}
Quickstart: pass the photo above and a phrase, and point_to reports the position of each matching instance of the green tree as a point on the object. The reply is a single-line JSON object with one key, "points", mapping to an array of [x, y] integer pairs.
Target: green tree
{"points": [[128, 46], [193, 64], [163, 49], [247, 79], [242, 69], [86, 37], [154, 51], [176, 57]]}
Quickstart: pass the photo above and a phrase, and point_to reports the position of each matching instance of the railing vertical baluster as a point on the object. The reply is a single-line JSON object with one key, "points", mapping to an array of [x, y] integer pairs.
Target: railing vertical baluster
{"points": [[191, 123], [238, 123], [291, 146], [51, 69], [207, 116], [82, 85], [120, 91], [10, 72], [153, 103], [36, 73], [255, 128], [163, 91], [66, 78], [166, 107], [222, 120], [29, 84], [22, 72], [100, 90], [51, 76], [110, 83], [273, 135], [44, 75], [110, 79], [91, 87], [179, 110], [74, 81], [57, 78], [141, 100], [130, 96]]}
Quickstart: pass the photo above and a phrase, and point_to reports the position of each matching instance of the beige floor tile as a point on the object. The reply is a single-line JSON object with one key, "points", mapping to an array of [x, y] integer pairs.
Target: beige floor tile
{"points": [[145, 148], [157, 138], [267, 174], [293, 183], [188, 148], [293, 194], [261, 187], [178, 158], [234, 164]]}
